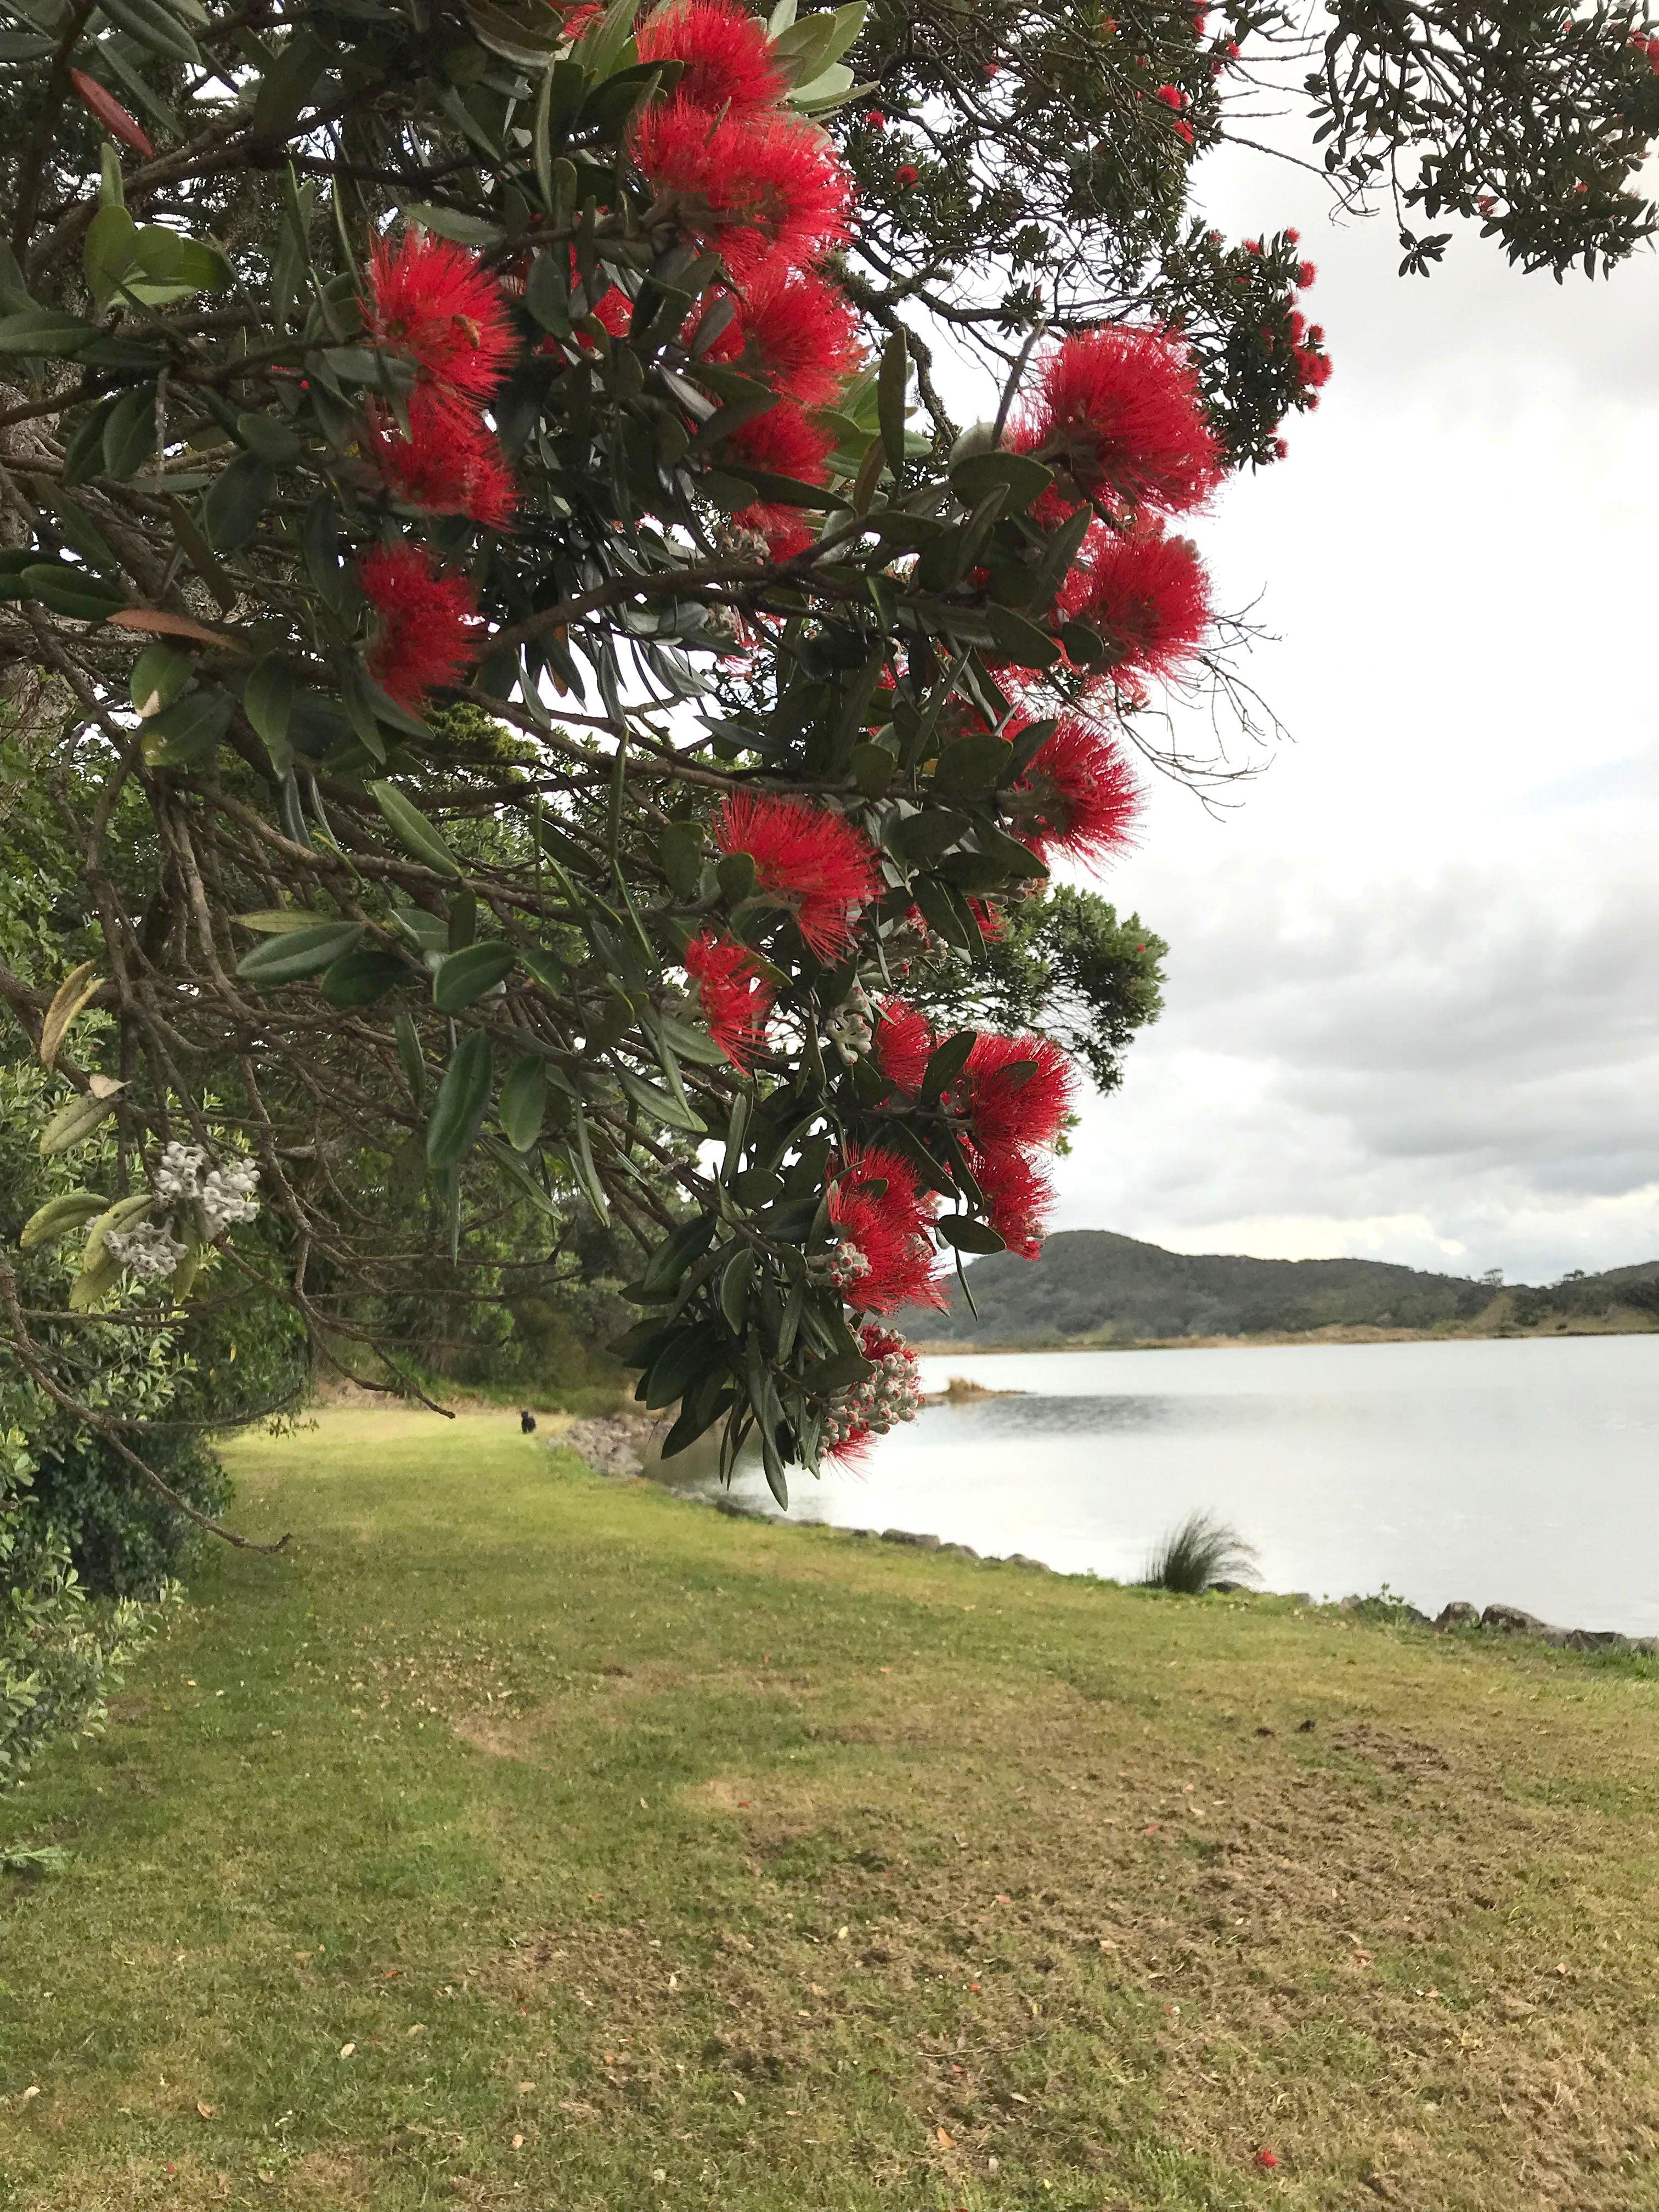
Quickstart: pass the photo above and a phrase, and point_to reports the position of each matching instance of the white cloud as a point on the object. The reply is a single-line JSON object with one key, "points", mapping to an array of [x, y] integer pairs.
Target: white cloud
{"points": [[1414, 985]]}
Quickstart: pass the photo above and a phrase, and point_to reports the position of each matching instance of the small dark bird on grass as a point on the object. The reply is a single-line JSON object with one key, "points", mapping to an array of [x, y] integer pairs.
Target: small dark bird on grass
{"points": [[526, 1421]]}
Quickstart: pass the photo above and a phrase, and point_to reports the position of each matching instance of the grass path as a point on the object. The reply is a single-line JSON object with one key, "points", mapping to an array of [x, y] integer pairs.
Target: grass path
{"points": [[524, 1840]]}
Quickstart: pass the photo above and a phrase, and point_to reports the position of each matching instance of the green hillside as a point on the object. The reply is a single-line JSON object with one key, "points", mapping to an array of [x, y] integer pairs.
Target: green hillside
{"points": [[1091, 1283]]}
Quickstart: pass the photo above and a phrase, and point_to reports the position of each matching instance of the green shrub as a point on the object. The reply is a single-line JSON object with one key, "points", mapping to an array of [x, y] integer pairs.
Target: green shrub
{"points": [[60, 1652]]}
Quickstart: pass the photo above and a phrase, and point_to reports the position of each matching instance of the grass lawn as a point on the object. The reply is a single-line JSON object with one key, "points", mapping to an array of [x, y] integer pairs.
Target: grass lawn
{"points": [[523, 1839]]}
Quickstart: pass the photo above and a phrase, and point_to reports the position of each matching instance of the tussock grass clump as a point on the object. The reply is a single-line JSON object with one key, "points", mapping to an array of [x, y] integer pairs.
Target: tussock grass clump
{"points": [[1200, 1553]]}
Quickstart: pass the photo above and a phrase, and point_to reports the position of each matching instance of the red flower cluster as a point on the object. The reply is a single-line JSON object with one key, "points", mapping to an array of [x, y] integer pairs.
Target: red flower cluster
{"points": [[794, 330], [449, 464], [727, 56], [1078, 796], [735, 998], [815, 863], [752, 185], [431, 302], [426, 621], [1147, 595], [1012, 1098], [1119, 410], [883, 1219], [767, 190]]}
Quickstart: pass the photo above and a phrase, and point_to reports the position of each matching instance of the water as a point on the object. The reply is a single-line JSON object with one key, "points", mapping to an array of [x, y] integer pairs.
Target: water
{"points": [[1521, 1472]]}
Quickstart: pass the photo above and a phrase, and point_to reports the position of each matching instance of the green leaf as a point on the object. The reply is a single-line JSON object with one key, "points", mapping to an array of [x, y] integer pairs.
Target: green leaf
{"points": [[415, 833], [968, 1235], [75, 593], [155, 27], [873, 768], [663, 1107], [70, 1210], [76, 527], [972, 768], [159, 675], [1019, 641], [128, 435], [523, 1102], [360, 977], [286, 85], [76, 1120], [109, 251], [411, 1058], [945, 1063], [182, 265], [461, 978], [236, 501], [462, 1102], [679, 855], [980, 473], [186, 733], [892, 399], [267, 701], [297, 953], [43, 329], [450, 223]]}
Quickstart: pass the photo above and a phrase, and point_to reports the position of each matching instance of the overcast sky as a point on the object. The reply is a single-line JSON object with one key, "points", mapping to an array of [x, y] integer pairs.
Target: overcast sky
{"points": [[1413, 987]]}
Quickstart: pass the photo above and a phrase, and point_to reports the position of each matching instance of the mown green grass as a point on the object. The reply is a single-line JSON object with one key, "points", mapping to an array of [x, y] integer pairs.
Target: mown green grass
{"points": [[644, 1859]]}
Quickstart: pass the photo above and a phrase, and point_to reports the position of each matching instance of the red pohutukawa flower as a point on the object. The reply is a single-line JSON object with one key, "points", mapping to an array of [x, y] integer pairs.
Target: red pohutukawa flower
{"points": [[905, 1041], [426, 621], [886, 1258], [1146, 594], [1017, 1195], [890, 1394], [755, 186], [783, 441], [1078, 796], [1014, 1090], [815, 863], [1120, 409], [735, 996], [799, 333], [432, 301], [728, 57], [449, 464]]}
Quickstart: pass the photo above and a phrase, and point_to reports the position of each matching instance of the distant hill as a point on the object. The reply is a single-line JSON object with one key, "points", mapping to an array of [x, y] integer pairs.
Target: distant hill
{"points": [[1091, 1283]]}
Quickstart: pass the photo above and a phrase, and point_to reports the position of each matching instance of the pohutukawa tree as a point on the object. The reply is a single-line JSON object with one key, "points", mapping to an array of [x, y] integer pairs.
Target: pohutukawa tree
{"points": [[589, 738]]}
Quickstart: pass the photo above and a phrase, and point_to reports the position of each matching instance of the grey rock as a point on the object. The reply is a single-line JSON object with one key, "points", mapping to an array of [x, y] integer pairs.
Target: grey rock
{"points": [[1019, 1559], [1460, 1613], [1227, 1590], [910, 1537], [738, 1512], [959, 1551], [1596, 1639], [1647, 1645], [1353, 1603]]}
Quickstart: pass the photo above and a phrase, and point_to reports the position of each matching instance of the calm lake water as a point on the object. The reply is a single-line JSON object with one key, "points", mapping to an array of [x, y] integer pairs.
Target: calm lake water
{"points": [[1524, 1472]]}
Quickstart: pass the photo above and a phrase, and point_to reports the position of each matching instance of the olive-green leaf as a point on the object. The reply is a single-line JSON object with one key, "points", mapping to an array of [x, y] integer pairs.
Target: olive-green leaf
{"points": [[70, 1210], [267, 701], [43, 329], [462, 1102], [892, 399], [76, 1120], [417, 835], [968, 1235], [290, 957], [972, 768], [359, 977], [523, 1102], [461, 978], [70, 996], [236, 501]]}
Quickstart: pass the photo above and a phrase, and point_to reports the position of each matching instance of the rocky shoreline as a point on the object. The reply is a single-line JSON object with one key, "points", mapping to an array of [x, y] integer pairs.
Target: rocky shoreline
{"points": [[618, 1445]]}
